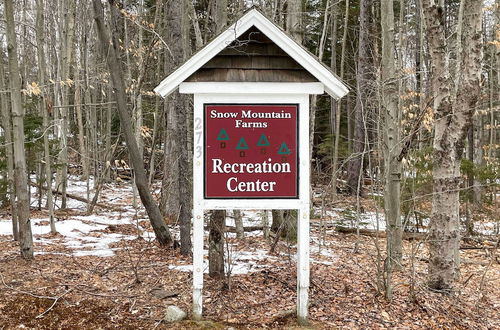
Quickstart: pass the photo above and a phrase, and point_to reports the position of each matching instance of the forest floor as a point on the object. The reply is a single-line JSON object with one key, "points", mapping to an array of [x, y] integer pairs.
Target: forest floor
{"points": [[105, 271]]}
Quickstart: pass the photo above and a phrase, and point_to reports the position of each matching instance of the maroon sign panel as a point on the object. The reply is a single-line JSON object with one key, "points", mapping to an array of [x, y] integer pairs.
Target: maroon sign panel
{"points": [[251, 151]]}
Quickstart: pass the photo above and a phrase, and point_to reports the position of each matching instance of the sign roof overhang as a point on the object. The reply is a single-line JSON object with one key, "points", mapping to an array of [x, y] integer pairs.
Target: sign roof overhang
{"points": [[332, 84]]}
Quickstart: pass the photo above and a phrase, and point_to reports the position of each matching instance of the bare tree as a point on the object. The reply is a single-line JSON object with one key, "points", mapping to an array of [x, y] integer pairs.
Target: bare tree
{"points": [[69, 11], [392, 145], [451, 122], [111, 50], [238, 223], [40, 36], [363, 76], [20, 175], [336, 106], [7, 127], [217, 220], [294, 20]]}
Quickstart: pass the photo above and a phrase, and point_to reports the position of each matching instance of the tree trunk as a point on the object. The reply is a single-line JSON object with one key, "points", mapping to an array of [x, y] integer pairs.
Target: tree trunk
{"points": [[451, 121], [7, 126], [81, 131], [277, 222], [67, 52], [40, 37], [354, 169], [336, 105], [178, 190], [294, 20], [20, 175], [216, 244], [238, 223], [217, 218], [220, 15], [112, 55], [392, 143]]}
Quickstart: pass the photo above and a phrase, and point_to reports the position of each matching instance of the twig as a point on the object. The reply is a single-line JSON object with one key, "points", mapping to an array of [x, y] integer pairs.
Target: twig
{"points": [[56, 299], [24, 292], [39, 316]]}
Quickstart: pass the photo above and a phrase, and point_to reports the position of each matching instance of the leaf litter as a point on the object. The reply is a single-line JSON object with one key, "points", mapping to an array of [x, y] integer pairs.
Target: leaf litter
{"points": [[106, 271]]}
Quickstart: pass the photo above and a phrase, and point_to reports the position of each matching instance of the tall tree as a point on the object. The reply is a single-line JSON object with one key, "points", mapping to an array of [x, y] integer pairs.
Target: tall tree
{"points": [[294, 20], [217, 222], [69, 12], [176, 192], [7, 127], [40, 37], [392, 143], [363, 77], [20, 172], [336, 106], [451, 122], [111, 51]]}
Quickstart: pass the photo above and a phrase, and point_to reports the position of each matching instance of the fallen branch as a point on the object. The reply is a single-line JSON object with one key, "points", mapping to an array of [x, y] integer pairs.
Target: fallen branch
{"points": [[84, 200], [378, 233], [232, 229]]}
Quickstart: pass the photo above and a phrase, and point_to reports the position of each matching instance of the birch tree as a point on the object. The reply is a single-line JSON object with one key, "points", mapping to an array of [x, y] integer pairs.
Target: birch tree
{"points": [[451, 122], [40, 37], [69, 9], [20, 174], [7, 127]]}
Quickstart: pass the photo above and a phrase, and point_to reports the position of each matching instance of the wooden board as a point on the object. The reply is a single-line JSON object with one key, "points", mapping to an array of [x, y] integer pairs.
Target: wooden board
{"points": [[252, 62], [253, 57], [252, 75]]}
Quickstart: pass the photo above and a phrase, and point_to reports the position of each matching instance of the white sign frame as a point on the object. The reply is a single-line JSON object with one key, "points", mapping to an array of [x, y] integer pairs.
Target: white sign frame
{"points": [[252, 93]]}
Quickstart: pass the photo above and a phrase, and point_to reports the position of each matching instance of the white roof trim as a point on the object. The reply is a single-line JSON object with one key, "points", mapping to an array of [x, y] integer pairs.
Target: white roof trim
{"points": [[333, 85], [260, 88]]}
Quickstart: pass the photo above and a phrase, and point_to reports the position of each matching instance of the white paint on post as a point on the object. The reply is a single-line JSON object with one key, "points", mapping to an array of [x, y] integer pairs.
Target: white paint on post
{"points": [[198, 211], [303, 215]]}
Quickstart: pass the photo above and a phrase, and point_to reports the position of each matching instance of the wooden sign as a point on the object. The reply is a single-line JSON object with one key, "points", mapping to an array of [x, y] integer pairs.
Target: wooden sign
{"points": [[251, 88], [251, 151]]}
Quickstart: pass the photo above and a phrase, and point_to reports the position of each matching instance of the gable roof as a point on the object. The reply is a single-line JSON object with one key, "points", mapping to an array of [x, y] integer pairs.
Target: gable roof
{"points": [[333, 85]]}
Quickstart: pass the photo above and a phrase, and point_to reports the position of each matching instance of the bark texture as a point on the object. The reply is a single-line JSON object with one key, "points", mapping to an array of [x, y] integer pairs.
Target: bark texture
{"points": [[7, 126], [451, 122], [177, 190], [216, 244], [355, 165], [294, 20], [40, 40], [392, 143], [218, 217], [20, 174]]}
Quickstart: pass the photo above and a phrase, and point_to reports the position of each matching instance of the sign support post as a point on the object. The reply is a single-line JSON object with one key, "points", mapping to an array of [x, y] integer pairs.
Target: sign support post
{"points": [[198, 211], [205, 94]]}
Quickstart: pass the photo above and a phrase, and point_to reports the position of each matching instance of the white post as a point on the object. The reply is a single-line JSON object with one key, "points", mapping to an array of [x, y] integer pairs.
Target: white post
{"points": [[303, 215], [197, 262], [303, 264], [198, 210]]}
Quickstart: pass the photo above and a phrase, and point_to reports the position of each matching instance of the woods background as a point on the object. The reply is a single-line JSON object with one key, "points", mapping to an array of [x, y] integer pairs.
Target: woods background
{"points": [[417, 135]]}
